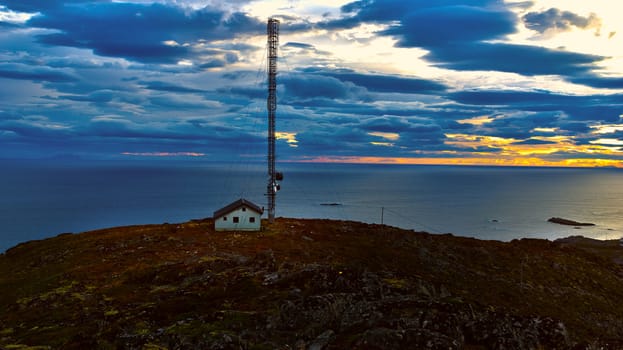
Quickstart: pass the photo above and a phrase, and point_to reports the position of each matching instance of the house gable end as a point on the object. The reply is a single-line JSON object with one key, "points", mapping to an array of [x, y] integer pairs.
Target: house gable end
{"points": [[236, 205], [240, 215]]}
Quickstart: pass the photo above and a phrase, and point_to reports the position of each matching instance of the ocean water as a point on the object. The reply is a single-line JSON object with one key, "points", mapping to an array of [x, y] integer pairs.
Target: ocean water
{"points": [[43, 199]]}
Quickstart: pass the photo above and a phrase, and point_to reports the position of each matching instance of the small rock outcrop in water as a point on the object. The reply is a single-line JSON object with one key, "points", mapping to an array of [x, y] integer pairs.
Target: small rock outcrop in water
{"points": [[568, 222], [308, 284]]}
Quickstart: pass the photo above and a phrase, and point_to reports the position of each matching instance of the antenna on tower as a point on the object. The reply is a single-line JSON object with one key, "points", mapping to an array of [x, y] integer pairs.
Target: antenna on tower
{"points": [[272, 30]]}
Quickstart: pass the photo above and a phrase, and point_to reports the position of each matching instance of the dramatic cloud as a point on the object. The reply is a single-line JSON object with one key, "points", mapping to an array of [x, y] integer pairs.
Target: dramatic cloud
{"points": [[474, 81], [448, 25], [597, 108], [387, 83], [599, 82], [25, 72], [555, 20], [311, 86], [155, 33], [164, 86], [458, 36], [521, 59]]}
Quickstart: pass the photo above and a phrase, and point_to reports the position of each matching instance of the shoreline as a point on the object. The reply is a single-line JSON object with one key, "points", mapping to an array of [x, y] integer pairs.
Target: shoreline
{"points": [[562, 223], [301, 278]]}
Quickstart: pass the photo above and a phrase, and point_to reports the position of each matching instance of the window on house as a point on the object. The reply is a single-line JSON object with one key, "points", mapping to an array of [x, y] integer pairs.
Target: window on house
{"points": [[244, 209], [224, 218], [236, 219], [252, 219]]}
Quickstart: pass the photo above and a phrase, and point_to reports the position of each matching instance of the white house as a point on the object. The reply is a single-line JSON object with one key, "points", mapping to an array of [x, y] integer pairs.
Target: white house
{"points": [[241, 215]]}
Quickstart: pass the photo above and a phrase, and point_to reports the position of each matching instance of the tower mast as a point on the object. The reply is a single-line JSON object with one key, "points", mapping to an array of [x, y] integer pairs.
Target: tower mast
{"points": [[273, 43]]}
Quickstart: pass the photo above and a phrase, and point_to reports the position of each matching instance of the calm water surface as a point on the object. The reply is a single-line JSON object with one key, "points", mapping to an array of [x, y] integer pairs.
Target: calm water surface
{"points": [[43, 199]]}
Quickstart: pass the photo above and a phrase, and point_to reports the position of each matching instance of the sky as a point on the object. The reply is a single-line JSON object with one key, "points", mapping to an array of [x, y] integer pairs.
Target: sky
{"points": [[478, 82]]}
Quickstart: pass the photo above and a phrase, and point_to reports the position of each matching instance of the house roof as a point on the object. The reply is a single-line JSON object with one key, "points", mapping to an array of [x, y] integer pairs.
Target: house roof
{"points": [[237, 204]]}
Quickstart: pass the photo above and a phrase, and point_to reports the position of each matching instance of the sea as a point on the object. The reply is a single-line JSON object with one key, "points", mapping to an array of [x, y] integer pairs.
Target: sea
{"points": [[40, 199]]}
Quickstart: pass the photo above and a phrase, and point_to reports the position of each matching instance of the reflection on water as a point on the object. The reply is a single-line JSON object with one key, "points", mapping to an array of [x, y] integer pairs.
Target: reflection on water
{"points": [[490, 203], [41, 200]]}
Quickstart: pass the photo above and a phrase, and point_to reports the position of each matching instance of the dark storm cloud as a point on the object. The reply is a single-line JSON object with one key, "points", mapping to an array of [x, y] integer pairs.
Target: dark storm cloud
{"points": [[35, 73], [560, 21], [521, 59], [312, 86], [595, 107], [388, 10], [449, 25], [396, 11], [331, 105], [214, 63], [340, 140], [508, 98], [444, 114], [34, 6], [169, 87], [105, 105], [574, 127], [388, 83], [347, 135], [599, 82], [380, 83], [593, 110], [116, 134], [456, 33], [138, 32], [519, 125], [180, 135], [399, 124]]}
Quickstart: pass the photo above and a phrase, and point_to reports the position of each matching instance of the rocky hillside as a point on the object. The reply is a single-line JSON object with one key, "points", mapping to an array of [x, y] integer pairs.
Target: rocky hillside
{"points": [[308, 284]]}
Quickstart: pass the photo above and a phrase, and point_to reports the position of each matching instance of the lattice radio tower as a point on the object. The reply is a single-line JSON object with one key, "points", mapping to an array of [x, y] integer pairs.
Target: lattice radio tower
{"points": [[273, 176]]}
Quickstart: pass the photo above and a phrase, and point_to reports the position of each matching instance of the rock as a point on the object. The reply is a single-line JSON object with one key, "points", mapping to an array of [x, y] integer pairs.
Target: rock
{"points": [[265, 260], [321, 341], [381, 338], [568, 222], [270, 278]]}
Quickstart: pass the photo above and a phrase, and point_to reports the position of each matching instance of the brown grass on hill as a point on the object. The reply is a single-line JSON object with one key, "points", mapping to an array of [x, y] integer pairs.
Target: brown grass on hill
{"points": [[323, 283]]}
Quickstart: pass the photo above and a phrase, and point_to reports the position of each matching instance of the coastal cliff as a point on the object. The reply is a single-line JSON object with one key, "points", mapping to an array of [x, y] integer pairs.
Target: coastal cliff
{"points": [[308, 284]]}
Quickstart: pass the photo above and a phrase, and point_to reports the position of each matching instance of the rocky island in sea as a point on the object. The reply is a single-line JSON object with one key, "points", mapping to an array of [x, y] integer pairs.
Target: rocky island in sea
{"points": [[308, 284], [569, 222]]}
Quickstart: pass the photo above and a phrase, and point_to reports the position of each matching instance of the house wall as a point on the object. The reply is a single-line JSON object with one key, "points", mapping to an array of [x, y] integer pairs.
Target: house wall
{"points": [[244, 215]]}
